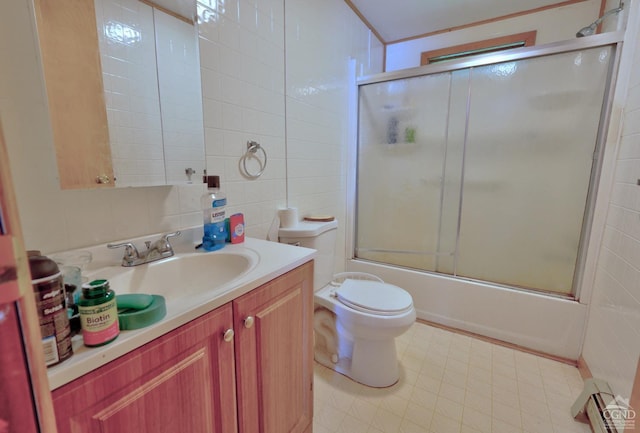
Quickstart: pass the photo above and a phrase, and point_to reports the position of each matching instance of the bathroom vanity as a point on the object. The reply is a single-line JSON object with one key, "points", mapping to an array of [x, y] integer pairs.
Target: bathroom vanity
{"points": [[246, 365]]}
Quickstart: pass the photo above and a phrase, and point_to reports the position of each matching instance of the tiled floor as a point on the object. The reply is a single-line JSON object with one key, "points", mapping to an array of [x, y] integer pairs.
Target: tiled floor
{"points": [[453, 383]]}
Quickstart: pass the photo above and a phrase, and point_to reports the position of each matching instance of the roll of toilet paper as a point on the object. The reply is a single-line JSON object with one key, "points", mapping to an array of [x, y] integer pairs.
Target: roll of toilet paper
{"points": [[288, 217]]}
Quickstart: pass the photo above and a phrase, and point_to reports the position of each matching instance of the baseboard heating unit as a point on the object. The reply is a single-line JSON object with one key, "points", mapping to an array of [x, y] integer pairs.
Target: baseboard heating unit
{"points": [[601, 409]]}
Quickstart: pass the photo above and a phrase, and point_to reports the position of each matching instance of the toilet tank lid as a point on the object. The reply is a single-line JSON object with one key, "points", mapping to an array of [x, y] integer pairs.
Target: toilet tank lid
{"points": [[307, 229]]}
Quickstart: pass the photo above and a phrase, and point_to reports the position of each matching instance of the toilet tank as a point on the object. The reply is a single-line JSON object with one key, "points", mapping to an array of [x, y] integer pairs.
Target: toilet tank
{"points": [[320, 236]]}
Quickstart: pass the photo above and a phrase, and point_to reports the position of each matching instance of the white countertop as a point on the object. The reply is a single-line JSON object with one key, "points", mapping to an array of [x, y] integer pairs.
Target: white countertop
{"points": [[274, 259]]}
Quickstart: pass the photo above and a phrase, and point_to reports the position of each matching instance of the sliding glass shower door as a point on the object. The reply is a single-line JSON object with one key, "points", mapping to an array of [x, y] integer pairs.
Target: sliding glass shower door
{"points": [[482, 172]]}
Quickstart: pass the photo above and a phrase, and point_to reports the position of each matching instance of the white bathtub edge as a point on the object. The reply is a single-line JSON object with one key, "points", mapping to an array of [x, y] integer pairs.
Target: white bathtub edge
{"points": [[538, 322]]}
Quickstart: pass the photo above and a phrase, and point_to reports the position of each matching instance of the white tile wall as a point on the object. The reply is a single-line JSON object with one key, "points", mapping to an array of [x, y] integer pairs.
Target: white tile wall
{"points": [[242, 59], [612, 340], [317, 102], [243, 74]]}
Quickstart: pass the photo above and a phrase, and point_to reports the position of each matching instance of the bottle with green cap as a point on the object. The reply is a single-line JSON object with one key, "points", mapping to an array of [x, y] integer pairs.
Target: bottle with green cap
{"points": [[98, 313]]}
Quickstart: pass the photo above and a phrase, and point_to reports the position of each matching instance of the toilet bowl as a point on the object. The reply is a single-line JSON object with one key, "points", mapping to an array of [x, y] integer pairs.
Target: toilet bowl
{"points": [[366, 328], [357, 316]]}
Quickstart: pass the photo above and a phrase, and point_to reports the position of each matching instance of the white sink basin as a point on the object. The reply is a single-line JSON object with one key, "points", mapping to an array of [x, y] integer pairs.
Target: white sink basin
{"points": [[181, 275]]}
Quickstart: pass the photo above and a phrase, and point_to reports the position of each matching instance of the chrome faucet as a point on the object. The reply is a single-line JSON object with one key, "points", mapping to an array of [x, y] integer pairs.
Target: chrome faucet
{"points": [[160, 249]]}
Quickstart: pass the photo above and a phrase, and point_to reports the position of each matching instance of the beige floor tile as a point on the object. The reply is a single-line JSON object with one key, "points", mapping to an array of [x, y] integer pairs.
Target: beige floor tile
{"points": [[432, 370], [534, 424], [449, 409], [570, 426], [530, 378], [460, 354], [480, 361], [453, 383], [478, 420], [532, 392], [423, 398], [429, 383], [329, 417], [340, 399], [419, 415], [508, 398], [456, 366], [362, 410], [467, 429], [508, 371], [454, 378], [527, 362], [506, 414], [317, 428], [352, 425], [504, 383], [480, 387], [436, 358], [442, 424], [452, 392], [499, 426], [395, 404], [403, 389], [410, 427], [411, 362], [386, 421], [478, 402], [534, 407]]}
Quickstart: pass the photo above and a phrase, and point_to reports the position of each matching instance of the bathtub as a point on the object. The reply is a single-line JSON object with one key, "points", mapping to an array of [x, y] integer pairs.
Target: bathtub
{"points": [[539, 322]]}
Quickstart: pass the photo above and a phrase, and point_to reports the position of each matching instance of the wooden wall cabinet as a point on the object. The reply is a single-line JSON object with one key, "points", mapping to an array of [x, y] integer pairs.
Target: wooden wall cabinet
{"points": [[193, 380], [73, 76]]}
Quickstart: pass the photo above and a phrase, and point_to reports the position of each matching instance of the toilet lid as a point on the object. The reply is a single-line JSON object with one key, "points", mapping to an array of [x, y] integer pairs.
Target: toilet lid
{"points": [[374, 297]]}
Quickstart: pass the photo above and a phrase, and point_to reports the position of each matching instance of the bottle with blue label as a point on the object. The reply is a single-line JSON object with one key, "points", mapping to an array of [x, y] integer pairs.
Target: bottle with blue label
{"points": [[213, 215]]}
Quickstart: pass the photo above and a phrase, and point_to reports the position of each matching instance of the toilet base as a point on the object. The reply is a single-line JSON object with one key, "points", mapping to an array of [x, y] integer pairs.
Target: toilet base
{"points": [[375, 362], [370, 362]]}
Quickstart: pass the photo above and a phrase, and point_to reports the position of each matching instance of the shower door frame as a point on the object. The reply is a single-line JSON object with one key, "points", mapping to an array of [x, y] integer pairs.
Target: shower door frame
{"points": [[590, 237]]}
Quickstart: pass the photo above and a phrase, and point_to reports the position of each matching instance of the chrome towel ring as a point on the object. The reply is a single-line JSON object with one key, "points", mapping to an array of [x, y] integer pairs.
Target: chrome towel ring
{"points": [[252, 149]]}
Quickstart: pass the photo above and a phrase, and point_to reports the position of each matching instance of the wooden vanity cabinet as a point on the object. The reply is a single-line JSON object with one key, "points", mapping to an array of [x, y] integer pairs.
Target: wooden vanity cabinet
{"points": [[192, 380], [274, 355], [180, 382]]}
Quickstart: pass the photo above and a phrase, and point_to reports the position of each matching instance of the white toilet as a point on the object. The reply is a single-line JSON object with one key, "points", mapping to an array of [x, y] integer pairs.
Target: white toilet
{"points": [[357, 316]]}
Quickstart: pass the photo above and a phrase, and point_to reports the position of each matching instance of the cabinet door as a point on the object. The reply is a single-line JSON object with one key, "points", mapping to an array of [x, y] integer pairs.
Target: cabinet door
{"points": [[181, 382], [274, 359], [71, 63]]}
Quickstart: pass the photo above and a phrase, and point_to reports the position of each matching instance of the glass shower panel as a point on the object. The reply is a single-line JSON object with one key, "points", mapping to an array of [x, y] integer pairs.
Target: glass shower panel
{"points": [[529, 153], [401, 154]]}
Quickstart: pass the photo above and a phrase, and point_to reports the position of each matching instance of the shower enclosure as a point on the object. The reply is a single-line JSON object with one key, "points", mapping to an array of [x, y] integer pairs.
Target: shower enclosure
{"points": [[484, 169]]}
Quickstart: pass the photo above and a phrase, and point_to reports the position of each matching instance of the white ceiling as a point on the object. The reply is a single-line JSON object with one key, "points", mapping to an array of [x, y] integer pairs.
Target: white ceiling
{"points": [[400, 19]]}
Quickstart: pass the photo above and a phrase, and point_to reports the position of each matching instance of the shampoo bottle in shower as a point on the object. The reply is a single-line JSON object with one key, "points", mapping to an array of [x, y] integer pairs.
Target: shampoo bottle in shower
{"points": [[213, 215]]}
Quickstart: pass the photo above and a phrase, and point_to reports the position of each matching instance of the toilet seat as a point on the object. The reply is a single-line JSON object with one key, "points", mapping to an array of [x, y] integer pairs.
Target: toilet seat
{"points": [[374, 297]]}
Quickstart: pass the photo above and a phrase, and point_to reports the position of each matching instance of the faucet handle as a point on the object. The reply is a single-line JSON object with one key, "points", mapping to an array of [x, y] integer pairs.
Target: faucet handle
{"points": [[130, 249], [170, 235], [130, 252], [163, 243]]}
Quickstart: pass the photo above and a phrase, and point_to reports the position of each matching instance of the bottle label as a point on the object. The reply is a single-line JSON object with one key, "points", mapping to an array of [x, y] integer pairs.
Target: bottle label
{"points": [[219, 202], [99, 323], [54, 321], [216, 215]]}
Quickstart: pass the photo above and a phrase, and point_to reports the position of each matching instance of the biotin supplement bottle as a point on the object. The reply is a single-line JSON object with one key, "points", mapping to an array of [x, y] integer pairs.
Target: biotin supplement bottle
{"points": [[98, 313]]}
